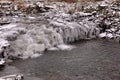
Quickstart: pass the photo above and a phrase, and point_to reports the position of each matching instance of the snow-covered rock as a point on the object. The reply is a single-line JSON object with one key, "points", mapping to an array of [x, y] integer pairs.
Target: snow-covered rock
{"points": [[9, 26], [102, 35], [4, 43]]}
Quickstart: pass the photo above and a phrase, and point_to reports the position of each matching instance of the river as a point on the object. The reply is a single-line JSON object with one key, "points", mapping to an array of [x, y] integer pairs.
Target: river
{"points": [[90, 60]]}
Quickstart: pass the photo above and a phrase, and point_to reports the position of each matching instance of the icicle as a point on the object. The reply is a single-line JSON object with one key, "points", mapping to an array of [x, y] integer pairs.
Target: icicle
{"points": [[59, 39], [77, 33], [72, 35]]}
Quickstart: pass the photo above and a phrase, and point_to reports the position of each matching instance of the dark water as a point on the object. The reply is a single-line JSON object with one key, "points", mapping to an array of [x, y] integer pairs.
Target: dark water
{"points": [[91, 60]]}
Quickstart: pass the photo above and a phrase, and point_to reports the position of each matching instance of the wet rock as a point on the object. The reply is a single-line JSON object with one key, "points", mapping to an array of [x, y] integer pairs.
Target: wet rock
{"points": [[12, 77]]}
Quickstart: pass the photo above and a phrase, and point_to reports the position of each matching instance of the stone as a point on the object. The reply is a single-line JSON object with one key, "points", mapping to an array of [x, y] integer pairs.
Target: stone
{"points": [[12, 77]]}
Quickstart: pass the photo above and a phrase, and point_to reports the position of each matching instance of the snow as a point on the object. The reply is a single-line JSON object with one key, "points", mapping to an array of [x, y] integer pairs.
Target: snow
{"points": [[105, 34], [112, 29], [109, 35], [31, 17], [4, 43], [9, 26], [102, 35], [2, 61]]}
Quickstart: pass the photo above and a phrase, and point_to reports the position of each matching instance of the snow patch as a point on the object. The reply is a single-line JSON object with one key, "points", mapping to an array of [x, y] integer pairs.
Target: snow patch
{"points": [[102, 35]]}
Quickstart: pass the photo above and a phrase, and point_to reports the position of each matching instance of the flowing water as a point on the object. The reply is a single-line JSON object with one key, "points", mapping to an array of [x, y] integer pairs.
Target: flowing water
{"points": [[90, 60]]}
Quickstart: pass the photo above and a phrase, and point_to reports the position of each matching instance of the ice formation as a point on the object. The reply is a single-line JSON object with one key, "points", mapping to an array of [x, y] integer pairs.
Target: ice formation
{"points": [[52, 30], [31, 42]]}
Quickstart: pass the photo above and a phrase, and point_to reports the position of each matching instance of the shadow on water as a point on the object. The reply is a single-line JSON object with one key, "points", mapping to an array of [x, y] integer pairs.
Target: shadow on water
{"points": [[90, 60]]}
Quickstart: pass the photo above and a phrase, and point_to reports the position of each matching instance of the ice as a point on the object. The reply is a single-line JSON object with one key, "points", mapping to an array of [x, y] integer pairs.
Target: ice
{"points": [[65, 47], [9, 26], [112, 29], [72, 31], [36, 55], [9, 35], [2, 61], [30, 17], [12, 77], [102, 35], [108, 35], [4, 43], [53, 49], [54, 29]]}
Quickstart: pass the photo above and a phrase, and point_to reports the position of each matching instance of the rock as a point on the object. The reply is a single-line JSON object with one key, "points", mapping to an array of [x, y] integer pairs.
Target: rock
{"points": [[2, 63], [12, 77]]}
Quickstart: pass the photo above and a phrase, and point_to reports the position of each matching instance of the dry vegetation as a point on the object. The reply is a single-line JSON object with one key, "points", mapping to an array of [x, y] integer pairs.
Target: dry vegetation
{"points": [[71, 1], [56, 0]]}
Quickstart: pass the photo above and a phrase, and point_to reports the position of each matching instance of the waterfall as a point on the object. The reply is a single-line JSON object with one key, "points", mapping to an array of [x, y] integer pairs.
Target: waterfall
{"points": [[72, 31], [55, 35]]}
